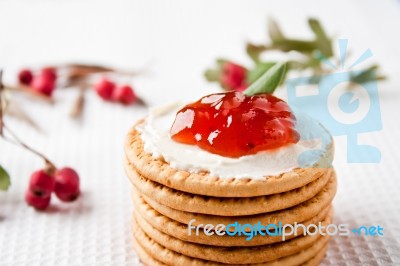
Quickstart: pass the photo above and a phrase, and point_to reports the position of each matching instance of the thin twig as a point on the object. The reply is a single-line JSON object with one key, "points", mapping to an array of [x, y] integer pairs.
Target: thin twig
{"points": [[84, 70], [141, 102], [79, 103], [50, 167], [19, 142], [29, 91], [15, 110]]}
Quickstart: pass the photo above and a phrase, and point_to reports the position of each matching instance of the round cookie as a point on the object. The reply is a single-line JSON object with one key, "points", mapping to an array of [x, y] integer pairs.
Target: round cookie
{"points": [[203, 184], [169, 257], [257, 254], [224, 206], [317, 259], [298, 213], [180, 231], [145, 257]]}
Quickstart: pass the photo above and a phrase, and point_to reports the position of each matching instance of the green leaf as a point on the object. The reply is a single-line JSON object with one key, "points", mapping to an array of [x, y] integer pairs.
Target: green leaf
{"points": [[288, 45], [317, 28], [258, 70], [5, 181], [269, 81], [366, 75], [212, 75], [254, 51], [274, 30], [221, 62], [324, 43]]}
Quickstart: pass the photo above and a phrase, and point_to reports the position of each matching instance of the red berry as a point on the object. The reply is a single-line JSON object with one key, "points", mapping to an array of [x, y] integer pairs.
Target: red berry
{"points": [[41, 184], [25, 76], [67, 184], [38, 202], [105, 89], [43, 84], [242, 87], [50, 73], [233, 76], [124, 94]]}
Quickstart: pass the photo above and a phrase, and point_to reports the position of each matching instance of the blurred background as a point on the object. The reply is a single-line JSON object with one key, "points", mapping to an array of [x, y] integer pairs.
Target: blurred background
{"points": [[173, 42]]}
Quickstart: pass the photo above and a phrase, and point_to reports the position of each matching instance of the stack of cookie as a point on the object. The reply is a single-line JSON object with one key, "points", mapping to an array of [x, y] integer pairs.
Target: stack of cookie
{"points": [[179, 215]]}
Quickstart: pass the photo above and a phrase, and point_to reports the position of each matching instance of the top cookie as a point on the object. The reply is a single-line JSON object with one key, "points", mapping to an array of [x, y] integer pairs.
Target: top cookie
{"points": [[158, 170]]}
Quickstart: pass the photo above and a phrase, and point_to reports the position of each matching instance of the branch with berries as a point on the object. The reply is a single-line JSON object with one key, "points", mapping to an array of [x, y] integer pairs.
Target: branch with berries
{"points": [[64, 182], [41, 84], [313, 52]]}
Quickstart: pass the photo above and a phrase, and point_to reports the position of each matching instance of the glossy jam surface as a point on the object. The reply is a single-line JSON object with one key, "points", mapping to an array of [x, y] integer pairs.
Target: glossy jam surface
{"points": [[233, 125]]}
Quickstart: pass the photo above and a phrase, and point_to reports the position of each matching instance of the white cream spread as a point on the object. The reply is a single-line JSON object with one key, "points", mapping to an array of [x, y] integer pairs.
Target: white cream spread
{"points": [[313, 145]]}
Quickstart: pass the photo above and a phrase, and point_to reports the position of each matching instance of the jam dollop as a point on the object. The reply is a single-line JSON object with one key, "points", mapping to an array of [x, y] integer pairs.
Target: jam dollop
{"points": [[232, 124]]}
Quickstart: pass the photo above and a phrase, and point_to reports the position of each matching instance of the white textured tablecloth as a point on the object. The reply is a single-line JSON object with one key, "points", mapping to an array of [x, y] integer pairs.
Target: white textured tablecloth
{"points": [[178, 40]]}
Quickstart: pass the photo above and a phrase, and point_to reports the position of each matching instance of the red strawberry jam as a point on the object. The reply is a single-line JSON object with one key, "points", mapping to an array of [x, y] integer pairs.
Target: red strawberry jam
{"points": [[232, 124]]}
